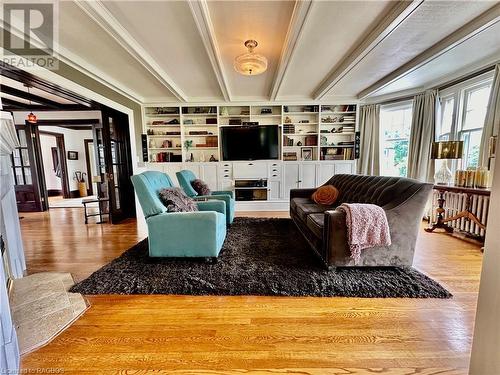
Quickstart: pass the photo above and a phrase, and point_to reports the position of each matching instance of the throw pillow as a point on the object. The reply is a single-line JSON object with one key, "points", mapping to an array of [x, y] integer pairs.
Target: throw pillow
{"points": [[177, 201], [325, 195], [200, 187]]}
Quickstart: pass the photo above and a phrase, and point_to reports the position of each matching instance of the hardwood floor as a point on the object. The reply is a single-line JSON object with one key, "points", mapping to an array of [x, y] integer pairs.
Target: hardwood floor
{"points": [[255, 335]]}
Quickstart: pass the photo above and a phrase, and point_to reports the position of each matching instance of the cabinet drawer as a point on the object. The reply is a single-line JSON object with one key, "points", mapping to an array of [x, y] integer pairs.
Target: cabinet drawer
{"points": [[250, 170]]}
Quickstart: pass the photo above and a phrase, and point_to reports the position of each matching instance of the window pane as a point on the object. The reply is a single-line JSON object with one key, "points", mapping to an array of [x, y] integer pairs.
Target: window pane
{"points": [[395, 126], [446, 118], [472, 142], [477, 103]]}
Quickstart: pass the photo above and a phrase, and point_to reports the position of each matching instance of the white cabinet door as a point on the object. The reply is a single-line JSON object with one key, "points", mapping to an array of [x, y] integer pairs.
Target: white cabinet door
{"points": [[346, 167], [326, 171], [209, 175], [308, 175], [291, 178], [274, 190]]}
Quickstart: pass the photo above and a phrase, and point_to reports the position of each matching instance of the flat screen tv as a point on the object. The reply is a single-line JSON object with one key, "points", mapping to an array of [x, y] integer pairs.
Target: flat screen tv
{"points": [[259, 142]]}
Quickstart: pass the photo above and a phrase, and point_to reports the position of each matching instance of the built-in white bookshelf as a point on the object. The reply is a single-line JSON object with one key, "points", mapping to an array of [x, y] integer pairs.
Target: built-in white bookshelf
{"points": [[307, 131]]}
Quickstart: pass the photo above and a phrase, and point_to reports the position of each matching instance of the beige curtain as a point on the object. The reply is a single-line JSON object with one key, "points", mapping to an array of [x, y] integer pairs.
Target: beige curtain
{"points": [[423, 126], [492, 120], [369, 119], [8, 136]]}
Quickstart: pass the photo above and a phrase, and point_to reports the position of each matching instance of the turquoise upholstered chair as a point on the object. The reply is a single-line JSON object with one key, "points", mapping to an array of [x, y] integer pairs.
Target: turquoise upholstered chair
{"points": [[179, 234], [185, 177]]}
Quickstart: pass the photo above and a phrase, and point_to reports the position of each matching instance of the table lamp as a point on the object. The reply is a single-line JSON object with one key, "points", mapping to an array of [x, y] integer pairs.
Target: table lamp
{"points": [[446, 150]]}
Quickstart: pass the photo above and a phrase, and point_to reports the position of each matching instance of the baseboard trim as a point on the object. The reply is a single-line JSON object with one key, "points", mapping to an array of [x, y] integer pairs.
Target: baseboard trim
{"points": [[262, 206], [54, 192]]}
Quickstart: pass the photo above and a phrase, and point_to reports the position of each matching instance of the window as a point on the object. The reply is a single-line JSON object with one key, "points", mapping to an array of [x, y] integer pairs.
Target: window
{"points": [[395, 126], [463, 111], [475, 106]]}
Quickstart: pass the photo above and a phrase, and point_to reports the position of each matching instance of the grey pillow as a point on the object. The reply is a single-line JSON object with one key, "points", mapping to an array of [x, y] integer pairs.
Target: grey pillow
{"points": [[200, 187], [177, 201]]}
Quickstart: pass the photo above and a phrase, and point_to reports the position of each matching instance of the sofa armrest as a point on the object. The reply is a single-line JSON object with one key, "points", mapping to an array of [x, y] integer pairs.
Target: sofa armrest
{"points": [[335, 235], [216, 205], [224, 192], [302, 193]]}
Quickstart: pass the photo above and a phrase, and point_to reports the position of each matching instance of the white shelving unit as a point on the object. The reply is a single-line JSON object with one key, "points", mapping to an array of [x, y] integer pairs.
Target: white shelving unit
{"points": [[308, 132]]}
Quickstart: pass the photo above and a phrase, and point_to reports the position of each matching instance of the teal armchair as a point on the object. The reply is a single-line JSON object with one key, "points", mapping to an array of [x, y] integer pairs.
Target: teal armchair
{"points": [[170, 234], [185, 177]]}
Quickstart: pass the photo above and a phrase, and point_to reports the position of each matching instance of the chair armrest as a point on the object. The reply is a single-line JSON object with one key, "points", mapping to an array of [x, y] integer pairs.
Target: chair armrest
{"points": [[225, 198], [302, 193], [216, 205], [224, 192], [177, 222]]}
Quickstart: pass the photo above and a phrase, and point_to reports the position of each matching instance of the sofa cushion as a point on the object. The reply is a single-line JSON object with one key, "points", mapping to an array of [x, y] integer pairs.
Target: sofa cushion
{"points": [[296, 201], [200, 187], [175, 200], [315, 223], [305, 209], [326, 195]]}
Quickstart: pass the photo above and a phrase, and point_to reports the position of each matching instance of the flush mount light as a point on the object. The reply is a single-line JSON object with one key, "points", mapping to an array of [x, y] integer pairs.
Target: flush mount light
{"points": [[250, 63]]}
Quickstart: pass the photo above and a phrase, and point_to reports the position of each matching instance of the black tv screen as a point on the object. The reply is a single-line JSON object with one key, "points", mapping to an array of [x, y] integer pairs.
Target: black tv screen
{"points": [[250, 142]]}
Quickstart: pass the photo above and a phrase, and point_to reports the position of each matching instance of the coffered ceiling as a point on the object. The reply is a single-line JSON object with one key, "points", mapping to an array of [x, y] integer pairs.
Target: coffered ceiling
{"points": [[169, 51]]}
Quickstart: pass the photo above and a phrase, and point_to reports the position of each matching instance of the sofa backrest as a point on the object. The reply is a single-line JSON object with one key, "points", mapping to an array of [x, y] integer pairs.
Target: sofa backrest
{"points": [[147, 186], [386, 192]]}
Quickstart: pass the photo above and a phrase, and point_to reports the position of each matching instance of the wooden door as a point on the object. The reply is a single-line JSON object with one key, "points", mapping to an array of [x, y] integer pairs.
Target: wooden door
{"points": [[114, 164], [26, 177]]}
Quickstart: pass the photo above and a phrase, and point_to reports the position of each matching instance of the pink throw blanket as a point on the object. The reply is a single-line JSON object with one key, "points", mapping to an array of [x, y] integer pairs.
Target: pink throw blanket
{"points": [[367, 227]]}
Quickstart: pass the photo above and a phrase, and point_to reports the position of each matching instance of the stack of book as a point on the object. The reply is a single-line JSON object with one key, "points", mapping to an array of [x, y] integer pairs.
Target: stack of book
{"points": [[287, 141], [288, 128], [289, 156], [348, 128]]}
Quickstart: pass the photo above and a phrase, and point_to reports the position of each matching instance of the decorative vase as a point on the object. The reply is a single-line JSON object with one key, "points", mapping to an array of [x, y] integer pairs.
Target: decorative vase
{"points": [[443, 176]]}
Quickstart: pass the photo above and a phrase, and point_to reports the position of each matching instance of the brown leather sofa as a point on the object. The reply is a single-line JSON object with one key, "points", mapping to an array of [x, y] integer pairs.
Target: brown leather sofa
{"points": [[325, 228]]}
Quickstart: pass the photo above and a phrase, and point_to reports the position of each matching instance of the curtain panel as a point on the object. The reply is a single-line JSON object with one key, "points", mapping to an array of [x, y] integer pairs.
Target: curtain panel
{"points": [[492, 120], [423, 130], [369, 163], [8, 136]]}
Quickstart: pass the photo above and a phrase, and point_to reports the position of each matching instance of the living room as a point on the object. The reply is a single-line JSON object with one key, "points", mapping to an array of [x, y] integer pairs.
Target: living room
{"points": [[263, 186]]}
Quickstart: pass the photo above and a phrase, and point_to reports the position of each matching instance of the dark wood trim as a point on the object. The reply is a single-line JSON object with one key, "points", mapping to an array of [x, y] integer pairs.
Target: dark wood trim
{"points": [[90, 190], [54, 192], [28, 96], [14, 105], [17, 74], [61, 146], [74, 194], [70, 122], [11, 105]]}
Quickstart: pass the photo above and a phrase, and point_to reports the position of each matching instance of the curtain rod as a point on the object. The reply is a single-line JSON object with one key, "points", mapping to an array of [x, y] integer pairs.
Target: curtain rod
{"points": [[443, 86], [465, 78]]}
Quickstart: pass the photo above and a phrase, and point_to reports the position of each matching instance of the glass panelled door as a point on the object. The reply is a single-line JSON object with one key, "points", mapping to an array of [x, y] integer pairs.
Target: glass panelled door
{"points": [[28, 195], [114, 164]]}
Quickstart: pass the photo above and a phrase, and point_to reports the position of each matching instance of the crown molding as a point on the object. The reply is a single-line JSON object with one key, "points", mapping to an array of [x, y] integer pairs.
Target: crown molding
{"points": [[201, 15], [299, 17], [103, 17], [469, 30], [395, 17]]}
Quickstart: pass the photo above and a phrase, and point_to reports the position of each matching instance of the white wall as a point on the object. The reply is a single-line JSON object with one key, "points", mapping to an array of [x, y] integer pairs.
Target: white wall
{"points": [[485, 357], [74, 141], [52, 181]]}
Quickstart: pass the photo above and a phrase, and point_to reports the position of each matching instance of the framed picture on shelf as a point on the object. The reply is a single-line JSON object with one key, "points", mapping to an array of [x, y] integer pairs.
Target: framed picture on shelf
{"points": [[72, 155], [306, 153]]}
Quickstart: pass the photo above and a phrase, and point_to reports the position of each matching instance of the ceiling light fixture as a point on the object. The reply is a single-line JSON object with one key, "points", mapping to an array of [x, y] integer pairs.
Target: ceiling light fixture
{"points": [[31, 118], [250, 63]]}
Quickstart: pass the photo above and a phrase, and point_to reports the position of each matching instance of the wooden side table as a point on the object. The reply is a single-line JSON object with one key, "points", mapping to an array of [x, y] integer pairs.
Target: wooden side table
{"points": [[466, 213], [100, 212]]}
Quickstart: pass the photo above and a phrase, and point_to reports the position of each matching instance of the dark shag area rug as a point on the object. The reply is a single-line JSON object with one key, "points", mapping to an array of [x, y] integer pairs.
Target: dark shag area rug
{"points": [[266, 257]]}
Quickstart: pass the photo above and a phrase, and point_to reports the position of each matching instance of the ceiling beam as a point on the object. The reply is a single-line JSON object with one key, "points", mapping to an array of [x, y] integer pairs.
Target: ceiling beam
{"points": [[19, 75], [469, 30], [201, 15], [103, 17], [395, 17], [28, 96], [300, 13], [12, 104]]}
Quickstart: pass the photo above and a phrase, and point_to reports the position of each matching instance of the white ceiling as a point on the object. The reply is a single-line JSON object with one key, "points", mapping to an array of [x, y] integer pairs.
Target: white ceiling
{"points": [[167, 51]]}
